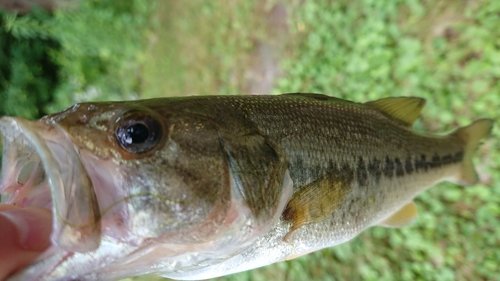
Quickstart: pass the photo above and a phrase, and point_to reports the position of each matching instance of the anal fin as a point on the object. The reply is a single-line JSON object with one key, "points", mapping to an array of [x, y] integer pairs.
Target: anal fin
{"points": [[406, 215], [294, 256]]}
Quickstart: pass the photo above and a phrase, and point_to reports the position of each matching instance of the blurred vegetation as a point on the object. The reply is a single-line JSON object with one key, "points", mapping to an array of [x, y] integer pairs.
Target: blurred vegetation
{"points": [[28, 76], [52, 60], [445, 51]]}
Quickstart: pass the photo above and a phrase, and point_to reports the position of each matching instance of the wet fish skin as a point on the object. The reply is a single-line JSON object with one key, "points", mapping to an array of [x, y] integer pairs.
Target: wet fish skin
{"points": [[220, 177]]}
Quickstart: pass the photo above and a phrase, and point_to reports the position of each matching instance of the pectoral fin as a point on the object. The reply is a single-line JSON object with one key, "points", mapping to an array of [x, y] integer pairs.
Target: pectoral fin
{"points": [[406, 215], [315, 202]]}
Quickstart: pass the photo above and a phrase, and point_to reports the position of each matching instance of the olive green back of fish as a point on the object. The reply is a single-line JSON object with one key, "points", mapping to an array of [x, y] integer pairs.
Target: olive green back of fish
{"points": [[352, 164]]}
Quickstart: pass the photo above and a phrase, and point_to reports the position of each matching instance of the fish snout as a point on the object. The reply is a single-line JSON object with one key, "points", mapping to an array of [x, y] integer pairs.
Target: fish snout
{"points": [[41, 168]]}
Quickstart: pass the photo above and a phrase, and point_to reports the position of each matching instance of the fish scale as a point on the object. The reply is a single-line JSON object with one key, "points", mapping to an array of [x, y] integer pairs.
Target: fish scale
{"points": [[381, 158], [336, 132], [323, 136], [230, 183]]}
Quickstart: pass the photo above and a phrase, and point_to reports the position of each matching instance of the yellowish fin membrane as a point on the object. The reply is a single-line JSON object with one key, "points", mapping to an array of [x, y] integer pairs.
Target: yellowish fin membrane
{"points": [[404, 110], [471, 135], [315, 202], [406, 215]]}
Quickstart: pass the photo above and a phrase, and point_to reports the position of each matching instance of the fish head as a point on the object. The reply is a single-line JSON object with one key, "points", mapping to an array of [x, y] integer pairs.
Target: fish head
{"points": [[121, 179]]}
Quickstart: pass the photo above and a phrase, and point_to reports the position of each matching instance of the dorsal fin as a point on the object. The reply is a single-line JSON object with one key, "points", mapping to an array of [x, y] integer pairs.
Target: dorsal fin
{"points": [[402, 109], [402, 217], [321, 97]]}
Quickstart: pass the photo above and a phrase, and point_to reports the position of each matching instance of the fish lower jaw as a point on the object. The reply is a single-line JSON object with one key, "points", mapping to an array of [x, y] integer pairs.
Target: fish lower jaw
{"points": [[41, 168]]}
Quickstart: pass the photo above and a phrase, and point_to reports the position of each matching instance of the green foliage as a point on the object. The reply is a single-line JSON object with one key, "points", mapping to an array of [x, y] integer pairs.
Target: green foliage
{"points": [[445, 51], [200, 48], [56, 59], [28, 77], [363, 50], [102, 48]]}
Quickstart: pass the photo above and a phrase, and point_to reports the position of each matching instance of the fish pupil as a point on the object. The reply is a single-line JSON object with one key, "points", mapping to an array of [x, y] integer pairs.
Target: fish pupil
{"points": [[137, 133]]}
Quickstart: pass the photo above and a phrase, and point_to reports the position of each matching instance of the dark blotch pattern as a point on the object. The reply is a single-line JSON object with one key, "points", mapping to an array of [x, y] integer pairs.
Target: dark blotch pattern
{"points": [[396, 167], [435, 161], [346, 173], [459, 156], [299, 162], [361, 173], [399, 168], [389, 168], [375, 169], [421, 164], [447, 159], [408, 166]]}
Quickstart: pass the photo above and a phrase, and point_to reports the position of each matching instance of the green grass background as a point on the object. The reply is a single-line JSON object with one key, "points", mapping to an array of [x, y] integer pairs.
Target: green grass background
{"points": [[445, 51]]}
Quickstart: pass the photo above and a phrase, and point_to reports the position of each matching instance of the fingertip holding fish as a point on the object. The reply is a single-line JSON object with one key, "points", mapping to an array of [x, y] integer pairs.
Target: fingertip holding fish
{"points": [[33, 225], [24, 235]]}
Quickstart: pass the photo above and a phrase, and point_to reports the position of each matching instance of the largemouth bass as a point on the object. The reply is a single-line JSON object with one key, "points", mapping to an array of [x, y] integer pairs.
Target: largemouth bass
{"points": [[200, 187]]}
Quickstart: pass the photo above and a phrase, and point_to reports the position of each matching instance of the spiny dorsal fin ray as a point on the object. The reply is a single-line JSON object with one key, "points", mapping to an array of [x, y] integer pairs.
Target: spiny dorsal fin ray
{"points": [[315, 96], [402, 109], [405, 215]]}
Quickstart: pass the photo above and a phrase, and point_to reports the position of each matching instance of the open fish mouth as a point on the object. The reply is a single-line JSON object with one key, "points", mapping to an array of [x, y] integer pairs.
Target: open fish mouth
{"points": [[41, 167]]}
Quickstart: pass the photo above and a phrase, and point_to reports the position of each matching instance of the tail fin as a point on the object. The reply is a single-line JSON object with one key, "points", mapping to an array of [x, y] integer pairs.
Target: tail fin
{"points": [[471, 136]]}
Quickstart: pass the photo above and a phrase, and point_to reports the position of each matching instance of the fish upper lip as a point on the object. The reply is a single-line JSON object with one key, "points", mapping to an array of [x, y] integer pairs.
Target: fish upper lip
{"points": [[76, 223]]}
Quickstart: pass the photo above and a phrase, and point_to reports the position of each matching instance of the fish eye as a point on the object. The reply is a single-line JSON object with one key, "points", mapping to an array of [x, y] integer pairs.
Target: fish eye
{"points": [[138, 132]]}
